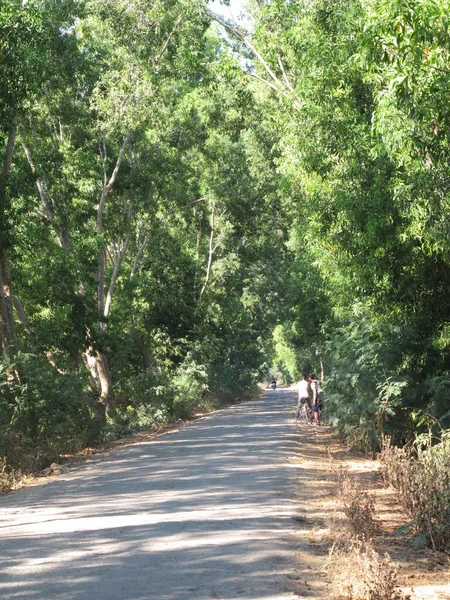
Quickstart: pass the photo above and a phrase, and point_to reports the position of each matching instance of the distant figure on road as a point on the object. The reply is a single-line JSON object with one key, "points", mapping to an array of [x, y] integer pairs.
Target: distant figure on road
{"points": [[303, 394], [273, 385]]}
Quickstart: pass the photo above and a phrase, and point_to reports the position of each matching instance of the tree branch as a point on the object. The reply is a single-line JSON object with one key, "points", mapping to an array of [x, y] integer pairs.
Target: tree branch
{"points": [[277, 84], [285, 77], [211, 251], [269, 83], [40, 185], [108, 186], [115, 273], [138, 257], [167, 42], [244, 39], [63, 236]]}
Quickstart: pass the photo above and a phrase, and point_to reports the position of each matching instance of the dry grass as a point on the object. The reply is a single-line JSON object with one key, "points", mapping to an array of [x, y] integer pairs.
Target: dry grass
{"points": [[360, 573], [422, 482], [357, 505], [422, 572], [357, 571]]}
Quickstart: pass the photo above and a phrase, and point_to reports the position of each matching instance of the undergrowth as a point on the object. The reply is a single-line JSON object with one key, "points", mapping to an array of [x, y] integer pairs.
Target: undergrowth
{"points": [[357, 570], [421, 476], [357, 505], [360, 573]]}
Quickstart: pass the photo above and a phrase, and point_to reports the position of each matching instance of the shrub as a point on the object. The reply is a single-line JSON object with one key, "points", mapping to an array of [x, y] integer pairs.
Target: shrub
{"points": [[357, 505], [360, 573], [188, 384], [372, 380], [422, 480], [112, 432], [151, 398], [42, 413]]}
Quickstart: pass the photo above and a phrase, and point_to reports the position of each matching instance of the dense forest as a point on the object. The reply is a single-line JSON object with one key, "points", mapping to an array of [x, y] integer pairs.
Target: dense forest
{"points": [[191, 204]]}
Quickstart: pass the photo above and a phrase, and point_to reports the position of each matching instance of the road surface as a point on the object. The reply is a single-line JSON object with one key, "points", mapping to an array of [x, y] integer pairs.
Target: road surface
{"points": [[207, 512]]}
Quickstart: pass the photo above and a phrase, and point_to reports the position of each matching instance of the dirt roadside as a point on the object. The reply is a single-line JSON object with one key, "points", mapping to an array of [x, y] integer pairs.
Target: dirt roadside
{"points": [[422, 573]]}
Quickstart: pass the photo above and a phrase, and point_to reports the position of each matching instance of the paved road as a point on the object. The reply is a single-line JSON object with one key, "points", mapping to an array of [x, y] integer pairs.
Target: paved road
{"points": [[203, 513]]}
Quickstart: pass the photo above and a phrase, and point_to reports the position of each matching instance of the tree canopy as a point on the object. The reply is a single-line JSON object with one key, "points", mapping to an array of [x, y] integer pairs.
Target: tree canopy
{"points": [[190, 205]]}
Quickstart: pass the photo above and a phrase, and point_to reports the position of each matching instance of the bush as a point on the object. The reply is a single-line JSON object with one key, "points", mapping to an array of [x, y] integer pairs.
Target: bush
{"points": [[357, 505], [359, 508], [422, 480], [112, 432], [360, 573], [42, 413], [375, 376], [151, 398], [189, 385]]}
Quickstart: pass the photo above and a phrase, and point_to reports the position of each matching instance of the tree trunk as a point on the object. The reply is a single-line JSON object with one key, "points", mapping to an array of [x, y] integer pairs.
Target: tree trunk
{"points": [[63, 234], [103, 310], [211, 250], [21, 315], [105, 379], [7, 327], [139, 342], [90, 363]]}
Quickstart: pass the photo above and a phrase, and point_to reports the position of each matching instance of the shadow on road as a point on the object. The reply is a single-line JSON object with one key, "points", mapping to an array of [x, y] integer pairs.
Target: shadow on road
{"points": [[207, 512]]}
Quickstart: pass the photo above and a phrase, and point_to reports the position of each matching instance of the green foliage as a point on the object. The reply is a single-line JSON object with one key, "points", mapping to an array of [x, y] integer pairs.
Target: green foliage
{"points": [[359, 103], [151, 398], [42, 413], [286, 209], [284, 355]]}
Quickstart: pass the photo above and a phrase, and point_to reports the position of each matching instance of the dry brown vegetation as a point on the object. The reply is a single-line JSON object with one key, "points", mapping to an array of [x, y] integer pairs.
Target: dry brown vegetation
{"points": [[357, 505], [357, 570], [352, 500], [361, 573], [421, 478]]}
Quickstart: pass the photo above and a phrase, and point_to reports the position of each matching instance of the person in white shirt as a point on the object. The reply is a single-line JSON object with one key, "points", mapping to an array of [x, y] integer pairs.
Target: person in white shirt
{"points": [[303, 394]]}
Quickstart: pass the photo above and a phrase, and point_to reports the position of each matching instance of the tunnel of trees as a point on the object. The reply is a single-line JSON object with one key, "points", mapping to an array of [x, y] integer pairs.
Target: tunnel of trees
{"points": [[191, 204]]}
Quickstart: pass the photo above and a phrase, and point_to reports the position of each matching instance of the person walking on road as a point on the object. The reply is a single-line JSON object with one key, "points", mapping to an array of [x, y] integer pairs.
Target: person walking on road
{"points": [[303, 394]]}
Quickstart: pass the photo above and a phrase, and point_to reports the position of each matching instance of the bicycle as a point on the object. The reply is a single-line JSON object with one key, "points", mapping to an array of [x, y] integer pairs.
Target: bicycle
{"points": [[305, 413]]}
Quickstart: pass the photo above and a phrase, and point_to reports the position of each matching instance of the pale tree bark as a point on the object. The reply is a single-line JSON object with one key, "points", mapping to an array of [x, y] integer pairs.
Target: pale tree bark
{"points": [[281, 85], [197, 248], [102, 364], [139, 256], [7, 326], [117, 263], [91, 366], [21, 315], [211, 250], [212, 247], [104, 301], [108, 184], [48, 213], [142, 240]]}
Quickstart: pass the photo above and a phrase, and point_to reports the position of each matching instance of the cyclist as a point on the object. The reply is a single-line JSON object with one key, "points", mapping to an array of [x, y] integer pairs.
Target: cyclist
{"points": [[303, 395]]}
